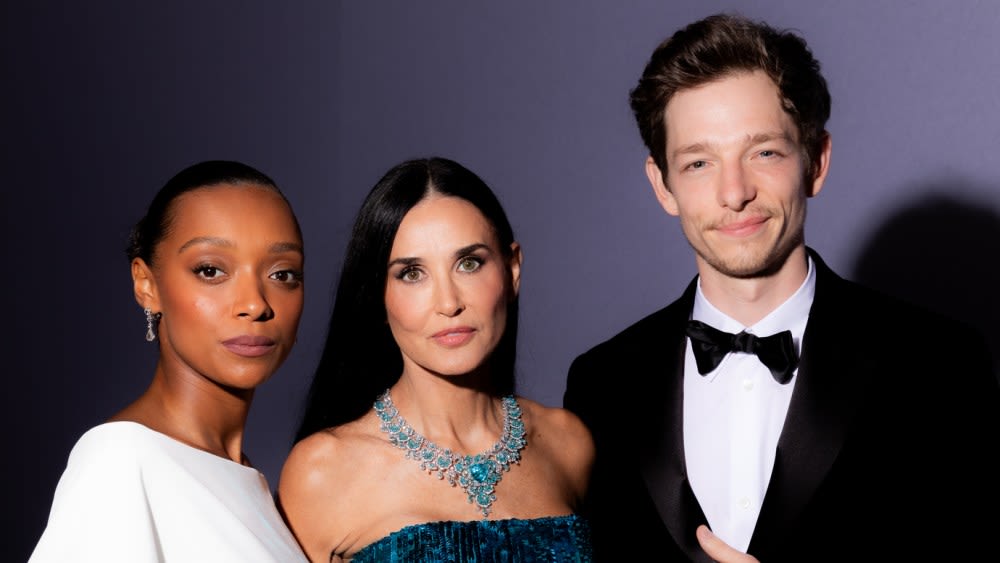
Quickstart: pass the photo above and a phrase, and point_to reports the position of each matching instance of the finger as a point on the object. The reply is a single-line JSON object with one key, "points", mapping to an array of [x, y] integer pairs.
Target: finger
{"points": [[719, 550]]}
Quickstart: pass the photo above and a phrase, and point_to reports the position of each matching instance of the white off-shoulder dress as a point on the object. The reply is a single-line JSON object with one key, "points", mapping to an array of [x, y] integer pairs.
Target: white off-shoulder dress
{"points": [[131, 494]]}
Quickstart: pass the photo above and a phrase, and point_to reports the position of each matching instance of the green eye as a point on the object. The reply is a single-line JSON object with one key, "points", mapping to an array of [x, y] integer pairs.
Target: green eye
{"points": [[411, 274], [469, 264]]}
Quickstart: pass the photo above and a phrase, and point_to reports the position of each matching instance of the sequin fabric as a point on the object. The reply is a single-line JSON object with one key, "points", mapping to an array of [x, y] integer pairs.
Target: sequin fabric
{"points": [[556, 539]]}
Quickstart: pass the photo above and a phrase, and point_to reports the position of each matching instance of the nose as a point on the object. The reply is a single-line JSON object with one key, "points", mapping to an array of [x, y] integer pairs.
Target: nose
{"points": [[251, 301], [448, 301], [736, 187]]}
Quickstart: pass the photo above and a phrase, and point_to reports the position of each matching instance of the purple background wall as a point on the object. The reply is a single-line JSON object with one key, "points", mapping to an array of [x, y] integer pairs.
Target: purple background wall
{"points": [[103, 102]]}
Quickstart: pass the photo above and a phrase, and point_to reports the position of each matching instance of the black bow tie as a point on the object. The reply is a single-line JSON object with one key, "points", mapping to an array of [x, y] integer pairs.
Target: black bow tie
{"points": [[710, 345]]}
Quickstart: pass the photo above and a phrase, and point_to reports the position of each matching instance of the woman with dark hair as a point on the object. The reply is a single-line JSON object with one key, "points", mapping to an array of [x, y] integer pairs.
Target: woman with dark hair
{"points": [[413, 446], [217, 268]]}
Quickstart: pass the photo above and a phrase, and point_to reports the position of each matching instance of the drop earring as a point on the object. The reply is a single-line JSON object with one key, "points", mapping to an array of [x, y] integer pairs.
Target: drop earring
{"points": [[150, 317]]}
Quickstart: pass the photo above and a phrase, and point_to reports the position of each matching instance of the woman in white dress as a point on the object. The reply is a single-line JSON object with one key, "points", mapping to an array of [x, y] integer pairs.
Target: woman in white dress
{"points": [[217, 268]]}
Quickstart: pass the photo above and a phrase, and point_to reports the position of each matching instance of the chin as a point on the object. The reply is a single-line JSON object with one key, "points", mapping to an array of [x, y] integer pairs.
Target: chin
{"points": [[452, 371], [745, 263], [246, 380], [458, 369]]}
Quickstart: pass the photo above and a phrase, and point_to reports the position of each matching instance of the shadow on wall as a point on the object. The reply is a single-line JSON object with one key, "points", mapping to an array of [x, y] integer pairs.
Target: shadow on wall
{"points": [[943, 253]]}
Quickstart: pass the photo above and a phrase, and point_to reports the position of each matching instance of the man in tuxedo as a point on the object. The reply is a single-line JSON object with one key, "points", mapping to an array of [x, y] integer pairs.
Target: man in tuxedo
{"points": [[798, 415]]}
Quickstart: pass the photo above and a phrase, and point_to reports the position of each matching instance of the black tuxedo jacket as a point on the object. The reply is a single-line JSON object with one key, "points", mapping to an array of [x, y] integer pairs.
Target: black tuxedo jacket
{"points": [[888, 452]]}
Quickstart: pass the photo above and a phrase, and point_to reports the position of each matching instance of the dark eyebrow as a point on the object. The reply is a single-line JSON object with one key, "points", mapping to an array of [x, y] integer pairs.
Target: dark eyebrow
{"points": [[280, 247], [767, 137], [470, 249], [275, 248], [755, 139], [465, 250], [688, 149], [403, 261], [215, 241]]}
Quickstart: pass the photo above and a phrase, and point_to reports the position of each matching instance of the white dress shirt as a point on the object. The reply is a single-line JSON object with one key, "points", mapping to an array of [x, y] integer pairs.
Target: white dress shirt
{"points": [[733, 417]]}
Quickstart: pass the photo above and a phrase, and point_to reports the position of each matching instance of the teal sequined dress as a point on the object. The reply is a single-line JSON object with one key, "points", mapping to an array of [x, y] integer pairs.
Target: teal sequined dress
{"points": [[555, 539]]}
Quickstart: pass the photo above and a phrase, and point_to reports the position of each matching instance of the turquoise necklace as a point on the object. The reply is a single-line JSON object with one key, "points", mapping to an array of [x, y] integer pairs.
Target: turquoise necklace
{"points": [[477, 474]]}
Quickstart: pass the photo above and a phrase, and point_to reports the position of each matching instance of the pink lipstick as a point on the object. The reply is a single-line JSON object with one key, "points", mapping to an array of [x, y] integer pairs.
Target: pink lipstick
{"points": [[249, 346], [454, 336]]}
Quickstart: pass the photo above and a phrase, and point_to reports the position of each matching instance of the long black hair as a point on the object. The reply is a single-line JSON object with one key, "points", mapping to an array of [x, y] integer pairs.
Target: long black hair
{"points": [[360, 358]]}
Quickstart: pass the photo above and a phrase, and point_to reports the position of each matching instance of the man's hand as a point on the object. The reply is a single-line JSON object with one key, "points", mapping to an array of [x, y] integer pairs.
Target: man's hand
{"points": [[719, 550]]}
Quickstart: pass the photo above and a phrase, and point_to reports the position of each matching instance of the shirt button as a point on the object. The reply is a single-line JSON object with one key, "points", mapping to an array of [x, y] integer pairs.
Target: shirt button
{"points": [[744, 503], [748, 384]]}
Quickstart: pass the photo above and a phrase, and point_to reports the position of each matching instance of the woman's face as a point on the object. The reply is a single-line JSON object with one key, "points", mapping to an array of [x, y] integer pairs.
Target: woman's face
{"points": [[227, 278], [448, 286]]}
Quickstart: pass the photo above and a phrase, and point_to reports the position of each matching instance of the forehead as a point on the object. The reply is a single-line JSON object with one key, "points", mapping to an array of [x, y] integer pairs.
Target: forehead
{"points": [[245, 211], [442, 221], [734, 107]]}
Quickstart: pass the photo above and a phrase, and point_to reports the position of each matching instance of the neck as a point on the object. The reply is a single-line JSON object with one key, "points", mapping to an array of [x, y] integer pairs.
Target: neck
{"points": [[195, 411], [748, 300], [462, 418]]}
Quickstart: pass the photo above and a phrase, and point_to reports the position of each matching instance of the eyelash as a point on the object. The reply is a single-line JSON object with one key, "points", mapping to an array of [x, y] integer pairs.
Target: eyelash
{"points": [[295, 274], [698, 164], [401, 275], [474, 259], [202, 270]]}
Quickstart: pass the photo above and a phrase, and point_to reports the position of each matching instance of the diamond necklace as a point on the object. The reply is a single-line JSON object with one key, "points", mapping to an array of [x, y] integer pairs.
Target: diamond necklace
{"points": [[477, 474]]}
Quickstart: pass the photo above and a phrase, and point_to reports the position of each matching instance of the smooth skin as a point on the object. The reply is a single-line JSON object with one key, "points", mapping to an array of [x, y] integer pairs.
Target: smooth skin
{"points": [[446, 303], [446, 296], [719, 550], [227, 278]]}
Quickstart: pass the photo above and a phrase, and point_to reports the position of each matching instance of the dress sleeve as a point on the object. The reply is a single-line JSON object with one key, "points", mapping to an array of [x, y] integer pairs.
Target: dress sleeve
{"points": [[100, 510]]}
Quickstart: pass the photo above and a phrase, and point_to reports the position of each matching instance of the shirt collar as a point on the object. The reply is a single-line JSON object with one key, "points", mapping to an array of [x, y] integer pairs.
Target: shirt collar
{"points": [[790, 315]]}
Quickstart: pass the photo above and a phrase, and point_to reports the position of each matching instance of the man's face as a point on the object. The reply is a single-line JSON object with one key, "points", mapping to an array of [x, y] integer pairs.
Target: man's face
{"points": [[736, 175]]}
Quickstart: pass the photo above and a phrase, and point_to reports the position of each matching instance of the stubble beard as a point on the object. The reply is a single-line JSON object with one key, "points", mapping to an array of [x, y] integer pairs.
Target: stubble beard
{"points": [[751, 261]]}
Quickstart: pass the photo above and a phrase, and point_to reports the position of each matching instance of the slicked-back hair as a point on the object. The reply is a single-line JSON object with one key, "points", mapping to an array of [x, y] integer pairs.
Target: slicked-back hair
{"points": [[155, 224], [360, 358], [722, 45]]}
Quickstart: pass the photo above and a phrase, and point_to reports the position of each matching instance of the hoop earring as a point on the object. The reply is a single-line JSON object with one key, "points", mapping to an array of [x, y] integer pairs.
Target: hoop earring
{"points": [[150, 318]]}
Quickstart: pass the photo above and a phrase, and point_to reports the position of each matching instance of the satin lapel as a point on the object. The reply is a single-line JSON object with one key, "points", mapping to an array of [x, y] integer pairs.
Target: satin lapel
{"points": [[825, 399], [662, 461]]}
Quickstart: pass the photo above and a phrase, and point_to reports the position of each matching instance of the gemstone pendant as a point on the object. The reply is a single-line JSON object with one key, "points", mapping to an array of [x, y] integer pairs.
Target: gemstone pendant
{"points": [[480, 471], [477, 475]]}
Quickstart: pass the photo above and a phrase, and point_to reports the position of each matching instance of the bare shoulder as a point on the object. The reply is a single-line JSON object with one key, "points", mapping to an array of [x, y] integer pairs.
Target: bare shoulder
{"points": [[562, 438], [310, 474], [325, 460], [555, 423], [314, 490], [311, 459]]}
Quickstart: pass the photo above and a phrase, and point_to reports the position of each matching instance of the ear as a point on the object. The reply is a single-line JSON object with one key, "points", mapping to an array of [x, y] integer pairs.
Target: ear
{"points": [[821, 167], [663, 194], [144, 285], [516, 257]]}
